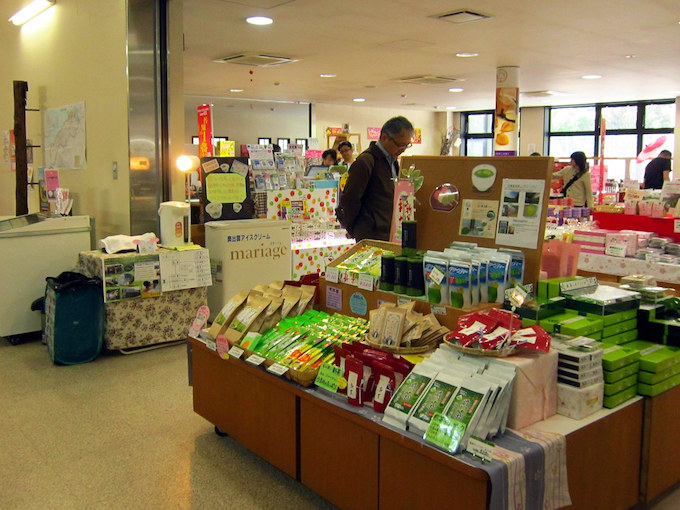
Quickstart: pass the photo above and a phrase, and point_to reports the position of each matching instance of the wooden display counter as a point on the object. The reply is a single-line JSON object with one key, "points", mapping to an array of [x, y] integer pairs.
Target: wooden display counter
{"points": [[356, 462], [660, 460]]}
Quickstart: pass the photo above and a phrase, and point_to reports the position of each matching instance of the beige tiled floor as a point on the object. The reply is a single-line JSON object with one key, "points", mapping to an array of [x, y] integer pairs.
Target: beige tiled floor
{"points": [[120, 433]]}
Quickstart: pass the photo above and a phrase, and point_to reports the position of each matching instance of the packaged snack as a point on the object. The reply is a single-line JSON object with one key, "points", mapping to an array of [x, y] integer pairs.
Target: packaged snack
{"points": [[497, 276], [225, 316], [291, 296], [435, 270], [272, 314], [393, 325], [385, 385], [407, 396], [355, 374], [444, 386], [246, 317], [306, 299]]}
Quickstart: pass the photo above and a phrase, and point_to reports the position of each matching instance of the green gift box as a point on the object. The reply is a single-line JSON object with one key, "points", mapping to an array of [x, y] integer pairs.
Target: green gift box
{"points": [[620, 397], [652, 390], [655, 357], [616, 375], [578, 326], [551, 288], [619, 327], [617, 387], [621, 338], [652, 378], [613, 318], [617, 356], [549, 323]]}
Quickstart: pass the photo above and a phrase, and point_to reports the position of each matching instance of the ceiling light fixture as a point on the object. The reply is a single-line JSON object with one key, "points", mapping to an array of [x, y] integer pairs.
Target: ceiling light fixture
{"points": [[456, 90], [327, 75], [31, 11], [630, 56], [235, 90], [591, 76], [358, 99], [467, 55], [259, 20], [451, 107]]}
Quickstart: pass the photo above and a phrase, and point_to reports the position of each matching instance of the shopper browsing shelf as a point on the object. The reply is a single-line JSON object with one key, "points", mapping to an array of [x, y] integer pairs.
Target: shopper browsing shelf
{"points": [[347, 153], [366, 203], [577, 180], [658, 171], [329, 157]]}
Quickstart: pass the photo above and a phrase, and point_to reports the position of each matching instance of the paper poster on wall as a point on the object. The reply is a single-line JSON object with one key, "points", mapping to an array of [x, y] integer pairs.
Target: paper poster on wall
{"points": [[226, 193], [373, 133], [478, 218], [418, 136], [131, 277], [404, 208], [65, 137], [519, 218]]}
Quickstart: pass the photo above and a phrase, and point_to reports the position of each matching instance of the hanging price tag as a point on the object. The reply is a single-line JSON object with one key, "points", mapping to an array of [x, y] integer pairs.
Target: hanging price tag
{"points": [[480, 448], [438, 310], [366, 281], [436, 276]]}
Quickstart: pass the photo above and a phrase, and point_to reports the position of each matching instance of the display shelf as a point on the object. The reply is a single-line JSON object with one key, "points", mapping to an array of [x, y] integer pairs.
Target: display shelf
{"points": [[665, 274], [665, 227], [354, 461]]}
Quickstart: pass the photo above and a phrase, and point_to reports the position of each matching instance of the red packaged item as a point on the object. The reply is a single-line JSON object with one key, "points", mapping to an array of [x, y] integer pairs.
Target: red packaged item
{"points": [[368, 381], [472, 328], [496, 339], [505, 318], [385, 385], [355, 375], [532, 337], [470, 319], [401, 369]]}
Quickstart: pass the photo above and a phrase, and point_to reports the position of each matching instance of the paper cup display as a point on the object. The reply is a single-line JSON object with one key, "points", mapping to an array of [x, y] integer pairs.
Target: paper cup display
{"points": [[483, 177]]}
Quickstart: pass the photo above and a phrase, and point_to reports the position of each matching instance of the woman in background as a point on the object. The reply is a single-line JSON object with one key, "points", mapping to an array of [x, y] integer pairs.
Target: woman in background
{"points": [[329, 157], [576, 179]]}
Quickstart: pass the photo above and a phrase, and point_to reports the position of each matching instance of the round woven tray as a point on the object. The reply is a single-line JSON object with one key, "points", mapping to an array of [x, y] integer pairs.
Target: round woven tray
{"points": [[488, 353], [401, 350]]}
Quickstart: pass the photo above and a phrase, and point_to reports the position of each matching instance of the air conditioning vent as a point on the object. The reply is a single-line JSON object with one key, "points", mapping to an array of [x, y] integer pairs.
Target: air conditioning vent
{"points": [[542, 93], [463, 16], [427, 80], [255, 60]]}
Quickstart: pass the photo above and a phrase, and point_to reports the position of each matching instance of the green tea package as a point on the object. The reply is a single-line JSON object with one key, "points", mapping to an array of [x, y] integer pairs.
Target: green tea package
{"points": [[272, 314], [407, 396], [516, 276], [497, 277], [443, 388], [435, 271], [246, 317], [225, 316], [467, 407], [306, 299], [291, 296]]}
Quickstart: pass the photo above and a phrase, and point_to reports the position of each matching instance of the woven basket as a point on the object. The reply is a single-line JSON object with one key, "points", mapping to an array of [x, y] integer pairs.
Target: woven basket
{"points": [[402, 350]]}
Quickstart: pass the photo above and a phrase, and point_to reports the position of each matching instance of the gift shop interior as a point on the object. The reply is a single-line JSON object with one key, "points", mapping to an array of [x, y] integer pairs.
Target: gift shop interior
{"points": [[267, 253]]}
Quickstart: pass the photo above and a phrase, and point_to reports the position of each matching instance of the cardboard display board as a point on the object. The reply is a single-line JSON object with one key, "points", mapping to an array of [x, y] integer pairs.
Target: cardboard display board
{"points": [[496, 202]]}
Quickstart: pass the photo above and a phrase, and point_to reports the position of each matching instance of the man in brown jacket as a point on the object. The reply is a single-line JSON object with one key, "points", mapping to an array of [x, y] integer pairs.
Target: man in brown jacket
{"points": [[366, 203]]}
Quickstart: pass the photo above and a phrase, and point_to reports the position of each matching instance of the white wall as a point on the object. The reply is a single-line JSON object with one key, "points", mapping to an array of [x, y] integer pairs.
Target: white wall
{"points": [[531, 122]]}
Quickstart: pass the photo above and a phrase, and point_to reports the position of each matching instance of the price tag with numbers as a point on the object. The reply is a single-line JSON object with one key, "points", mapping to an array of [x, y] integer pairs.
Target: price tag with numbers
{"points": [[277, 369], [255, 359], [328, 377], [366, 281], [332, 274], [480, 448], [236, 352]]}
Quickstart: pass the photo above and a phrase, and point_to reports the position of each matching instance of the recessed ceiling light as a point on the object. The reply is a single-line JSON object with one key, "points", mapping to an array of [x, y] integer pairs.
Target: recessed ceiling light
{"points": [[591, 76], [456, 90], [451, 107], [259, 20], [235, 90], [327, 76], [467, 55], [630, 56], [358, 100]]}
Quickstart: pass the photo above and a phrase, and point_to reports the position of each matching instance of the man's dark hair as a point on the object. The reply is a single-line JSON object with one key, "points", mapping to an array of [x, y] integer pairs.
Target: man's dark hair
{"points": [[344, 144], [396, 125], [665, 153]]}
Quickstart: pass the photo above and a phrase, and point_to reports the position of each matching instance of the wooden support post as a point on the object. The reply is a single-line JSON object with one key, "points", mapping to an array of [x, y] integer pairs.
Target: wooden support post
{"points": [[21, 193]]}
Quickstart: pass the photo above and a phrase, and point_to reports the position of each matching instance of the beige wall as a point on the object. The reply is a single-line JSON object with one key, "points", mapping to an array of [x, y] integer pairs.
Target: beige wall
{"points": [[531, 121], [74, 52], [360, 118], [176, 95]]}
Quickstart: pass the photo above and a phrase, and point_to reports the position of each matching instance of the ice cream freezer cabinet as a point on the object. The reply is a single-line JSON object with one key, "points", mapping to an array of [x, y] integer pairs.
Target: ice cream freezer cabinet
{"points": [[33, 247]]}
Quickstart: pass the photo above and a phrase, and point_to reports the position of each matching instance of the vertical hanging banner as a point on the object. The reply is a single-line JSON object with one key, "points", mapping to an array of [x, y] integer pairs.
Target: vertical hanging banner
{"points": [[506, 122], [205, 131]]}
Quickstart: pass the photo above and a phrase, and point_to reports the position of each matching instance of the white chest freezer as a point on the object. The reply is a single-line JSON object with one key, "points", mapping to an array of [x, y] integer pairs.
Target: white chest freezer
{"points": [[33, 247], [244, 253]]}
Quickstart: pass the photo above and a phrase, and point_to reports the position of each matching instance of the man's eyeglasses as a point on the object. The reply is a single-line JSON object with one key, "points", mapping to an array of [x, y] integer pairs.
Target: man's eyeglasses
{"points": [[400, 146]]}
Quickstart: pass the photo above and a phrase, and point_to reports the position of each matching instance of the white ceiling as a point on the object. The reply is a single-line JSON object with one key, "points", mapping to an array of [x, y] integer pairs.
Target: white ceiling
{"points": [[369, 44]]}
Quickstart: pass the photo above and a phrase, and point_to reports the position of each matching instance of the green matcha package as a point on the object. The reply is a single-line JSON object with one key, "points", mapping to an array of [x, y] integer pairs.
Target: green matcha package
{"points": [[435, 271], [467, 407], [460, 284], [405, 400], [625, 383], [516, 276], [443, 388], [497, 276], [617, 356]]}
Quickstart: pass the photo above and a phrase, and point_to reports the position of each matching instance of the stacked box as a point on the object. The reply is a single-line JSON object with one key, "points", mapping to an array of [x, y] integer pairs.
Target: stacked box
{"points": [[550, 288], [592, 241], [619, 327], [620, 244], [579, 326], [549, 323], [659, 367], [539, 308], [580, 385], [603, 300], [620, 371]]}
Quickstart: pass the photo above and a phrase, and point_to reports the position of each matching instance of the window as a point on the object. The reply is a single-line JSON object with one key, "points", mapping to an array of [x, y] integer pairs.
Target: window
{"points": [[194, 139], [264, 141], [303, 142], [477, 133], [629, 127], [283, 143]]}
